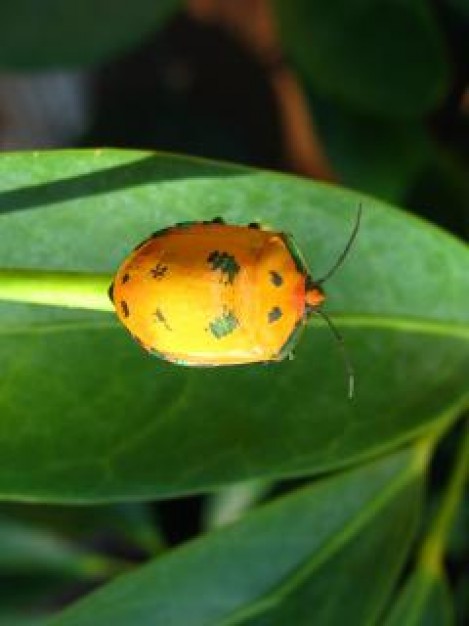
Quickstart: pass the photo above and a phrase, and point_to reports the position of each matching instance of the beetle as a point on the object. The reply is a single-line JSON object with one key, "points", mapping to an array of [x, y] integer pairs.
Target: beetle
{"points": [[211, 294]]}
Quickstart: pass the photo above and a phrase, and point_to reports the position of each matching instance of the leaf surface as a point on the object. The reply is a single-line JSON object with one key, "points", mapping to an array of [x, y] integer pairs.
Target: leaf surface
{"points": [[85, 415], [305, 558], [425, 600]]}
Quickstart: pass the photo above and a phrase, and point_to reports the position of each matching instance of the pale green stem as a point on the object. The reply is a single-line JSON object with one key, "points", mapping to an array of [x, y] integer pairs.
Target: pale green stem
{"points": [[77, 290], [431, 557], [231, 503], [97, 566]]}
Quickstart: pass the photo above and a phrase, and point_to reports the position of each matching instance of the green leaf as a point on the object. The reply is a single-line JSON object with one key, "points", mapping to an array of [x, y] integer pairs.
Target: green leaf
{"points": [[461, 599], [443, 183], [25, 549], [15, 618], [25, 598], [379, 156], [58, 33], [424, 601], [85, 415], [378, 56], [460, 6], [131, 524], [305, 558], [36, 565]]}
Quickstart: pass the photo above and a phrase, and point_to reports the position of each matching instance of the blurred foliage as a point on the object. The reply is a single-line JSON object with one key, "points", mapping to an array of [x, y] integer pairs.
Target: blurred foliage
{"points": [[275, 566], [377, 56], [384, 80], [65, 33]]}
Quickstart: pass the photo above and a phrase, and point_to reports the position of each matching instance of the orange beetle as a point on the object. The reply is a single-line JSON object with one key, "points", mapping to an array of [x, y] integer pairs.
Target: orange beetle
{"points": [[210, 293]]}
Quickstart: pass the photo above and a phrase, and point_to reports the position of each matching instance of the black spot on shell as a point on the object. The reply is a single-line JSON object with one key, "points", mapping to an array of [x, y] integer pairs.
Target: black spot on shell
{"points": [[125, 278], [125, 308], [226, 263], [276, 278], [159, 270], [275, 314], [161, 318]]}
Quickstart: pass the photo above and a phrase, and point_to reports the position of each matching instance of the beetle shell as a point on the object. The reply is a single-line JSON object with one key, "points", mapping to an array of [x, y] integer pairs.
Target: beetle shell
{"points": [[208, 294]]}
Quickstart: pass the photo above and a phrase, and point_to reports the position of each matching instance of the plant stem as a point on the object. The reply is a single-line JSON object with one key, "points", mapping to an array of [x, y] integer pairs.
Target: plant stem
{"points": [[231, 503], [67, 289], [431, 557], [93, 566]]}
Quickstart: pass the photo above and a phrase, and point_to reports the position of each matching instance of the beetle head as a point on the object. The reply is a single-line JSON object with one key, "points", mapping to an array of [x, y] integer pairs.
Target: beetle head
{"points": [[314, 295]]}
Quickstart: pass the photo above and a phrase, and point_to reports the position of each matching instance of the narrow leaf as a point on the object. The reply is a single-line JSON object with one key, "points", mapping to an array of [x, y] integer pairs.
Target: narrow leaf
{"points": [[305, 558], [424, 601]]}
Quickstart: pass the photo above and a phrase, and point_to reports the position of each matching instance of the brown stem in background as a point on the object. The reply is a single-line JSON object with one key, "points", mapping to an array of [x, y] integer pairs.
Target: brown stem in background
{"points": [[252, 22]]}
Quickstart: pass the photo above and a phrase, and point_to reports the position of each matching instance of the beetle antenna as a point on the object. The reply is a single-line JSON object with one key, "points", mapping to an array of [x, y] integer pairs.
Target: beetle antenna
{"points": [[345, 251], [341, 343]]}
